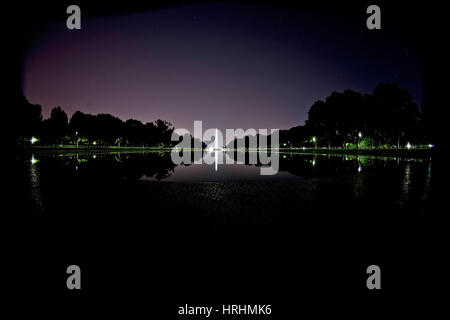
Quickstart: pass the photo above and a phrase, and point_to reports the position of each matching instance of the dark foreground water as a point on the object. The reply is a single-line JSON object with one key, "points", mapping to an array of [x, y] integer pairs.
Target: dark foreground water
{"points": [[135, 222], [408, 179]]}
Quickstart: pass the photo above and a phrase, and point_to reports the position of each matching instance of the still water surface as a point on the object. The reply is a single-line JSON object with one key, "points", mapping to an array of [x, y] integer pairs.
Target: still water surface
{"points": [[158, 166], [401, 179]]}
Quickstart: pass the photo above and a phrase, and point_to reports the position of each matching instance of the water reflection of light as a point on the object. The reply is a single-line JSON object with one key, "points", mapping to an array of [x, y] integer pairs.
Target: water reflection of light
{"points": [[216, 155], [406, 185], [358, 186], [35, 183], [426, 188], [33, 160]]}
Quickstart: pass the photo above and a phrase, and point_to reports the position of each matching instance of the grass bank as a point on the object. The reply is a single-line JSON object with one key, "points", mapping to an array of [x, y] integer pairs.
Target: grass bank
{"points": [[402, 153]]}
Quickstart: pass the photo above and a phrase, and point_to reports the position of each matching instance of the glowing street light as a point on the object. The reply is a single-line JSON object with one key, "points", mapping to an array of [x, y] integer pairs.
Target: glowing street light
{"points": [[33, 140], [408, 145], [359, 138]]}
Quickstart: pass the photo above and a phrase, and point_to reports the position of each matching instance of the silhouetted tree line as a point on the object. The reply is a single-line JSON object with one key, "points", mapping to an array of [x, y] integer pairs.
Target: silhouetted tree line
{"points": [[87, 129], [386, 118]]}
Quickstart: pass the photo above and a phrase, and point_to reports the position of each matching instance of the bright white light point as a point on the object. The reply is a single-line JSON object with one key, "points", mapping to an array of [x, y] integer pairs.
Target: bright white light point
{"points": [[359, 169], [33, 140], [33, 160], [408, 145], [217, 148]]}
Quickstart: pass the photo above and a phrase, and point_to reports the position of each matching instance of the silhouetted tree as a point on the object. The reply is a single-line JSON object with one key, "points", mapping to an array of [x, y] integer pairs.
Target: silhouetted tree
{"points": [[56, 127], [111, 128], [164, 130], [388, 116], [27, 119], [394, 113]]}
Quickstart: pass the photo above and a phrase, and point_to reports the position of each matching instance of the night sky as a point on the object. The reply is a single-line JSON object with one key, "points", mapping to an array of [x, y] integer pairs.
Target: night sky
{"points": [[230, 65]]}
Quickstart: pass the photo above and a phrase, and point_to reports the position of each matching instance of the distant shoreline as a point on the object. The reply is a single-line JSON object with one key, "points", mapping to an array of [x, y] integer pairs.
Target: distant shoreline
{"points": [[406, 153], [401, 153]]}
